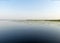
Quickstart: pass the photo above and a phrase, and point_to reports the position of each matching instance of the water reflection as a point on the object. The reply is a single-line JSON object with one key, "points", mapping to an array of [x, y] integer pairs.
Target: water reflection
{"points": [[29, 32]]}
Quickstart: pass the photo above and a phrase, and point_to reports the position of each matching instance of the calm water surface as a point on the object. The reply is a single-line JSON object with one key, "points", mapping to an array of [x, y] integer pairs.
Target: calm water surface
{"points": [[29, 32]]}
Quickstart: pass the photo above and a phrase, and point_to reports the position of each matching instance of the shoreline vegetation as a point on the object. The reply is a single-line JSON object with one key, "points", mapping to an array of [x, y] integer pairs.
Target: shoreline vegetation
{"points": [[28, 20]]}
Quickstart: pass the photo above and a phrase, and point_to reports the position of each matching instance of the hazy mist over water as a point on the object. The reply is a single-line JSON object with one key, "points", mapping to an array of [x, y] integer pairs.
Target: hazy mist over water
{"points": [[29, 21], [29, 32]]}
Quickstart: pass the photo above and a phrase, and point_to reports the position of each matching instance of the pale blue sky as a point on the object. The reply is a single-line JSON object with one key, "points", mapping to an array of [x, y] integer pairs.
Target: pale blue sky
{"points": [[29, 9]]}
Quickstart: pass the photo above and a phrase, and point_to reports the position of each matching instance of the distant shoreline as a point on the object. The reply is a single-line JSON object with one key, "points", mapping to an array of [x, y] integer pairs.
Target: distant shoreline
{"points": [[25, 20]]}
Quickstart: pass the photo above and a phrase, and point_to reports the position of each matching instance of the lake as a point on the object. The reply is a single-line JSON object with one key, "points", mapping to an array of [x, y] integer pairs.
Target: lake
{"points": [[29, 32]]}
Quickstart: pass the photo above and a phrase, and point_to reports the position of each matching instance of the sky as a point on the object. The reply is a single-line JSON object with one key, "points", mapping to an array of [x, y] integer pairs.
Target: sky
{"points": [[29, 9]]}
